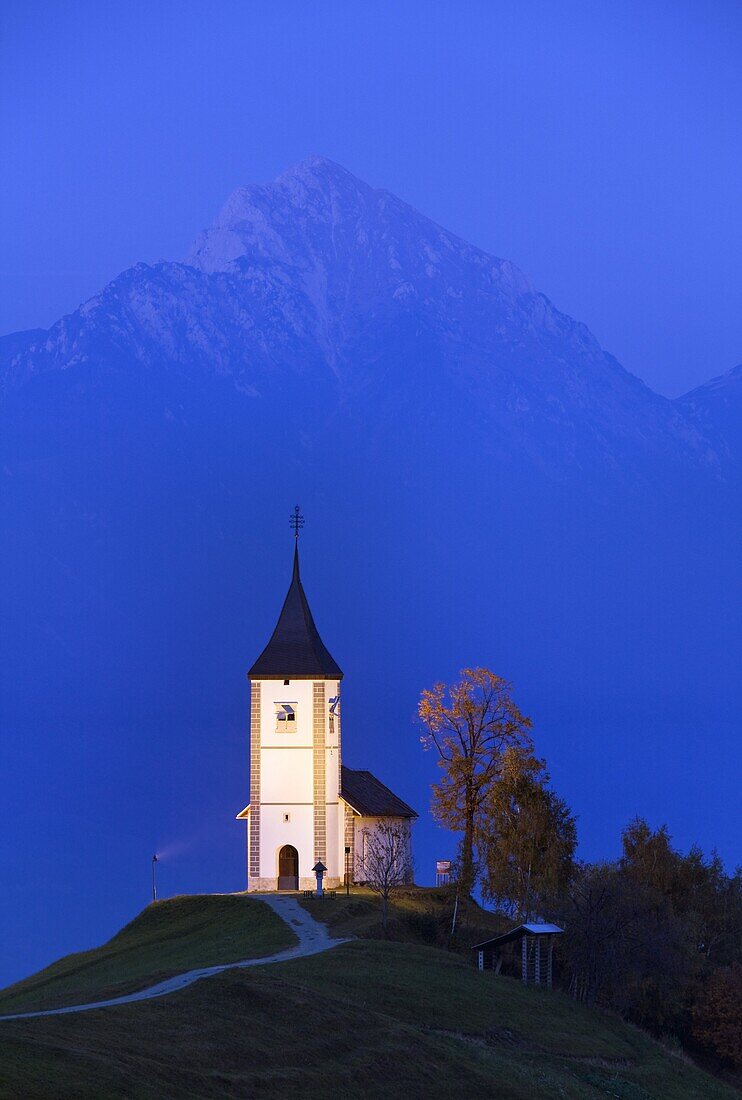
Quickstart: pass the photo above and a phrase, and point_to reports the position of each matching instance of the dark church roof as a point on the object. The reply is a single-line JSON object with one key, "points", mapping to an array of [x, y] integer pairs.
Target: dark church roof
{"points": [[295, 651], [369, 797]]}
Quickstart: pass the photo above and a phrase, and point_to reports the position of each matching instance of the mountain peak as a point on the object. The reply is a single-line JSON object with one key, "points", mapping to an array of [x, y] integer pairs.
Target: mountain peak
{"points": [[321, 275], [255, 219], [316, 167], [322, 183]]}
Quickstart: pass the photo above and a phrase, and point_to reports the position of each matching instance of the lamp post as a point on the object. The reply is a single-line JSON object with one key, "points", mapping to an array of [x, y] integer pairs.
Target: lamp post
{"points": [[154, 880], [347, 872]]}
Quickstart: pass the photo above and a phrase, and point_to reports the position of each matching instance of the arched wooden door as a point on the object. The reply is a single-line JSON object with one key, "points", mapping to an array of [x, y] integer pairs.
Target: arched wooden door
{"points": [[288, 868]]}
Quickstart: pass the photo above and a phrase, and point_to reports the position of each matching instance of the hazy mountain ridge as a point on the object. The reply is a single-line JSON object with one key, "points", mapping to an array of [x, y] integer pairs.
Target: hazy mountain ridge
{"points": [[716, 407], [319, 276]]}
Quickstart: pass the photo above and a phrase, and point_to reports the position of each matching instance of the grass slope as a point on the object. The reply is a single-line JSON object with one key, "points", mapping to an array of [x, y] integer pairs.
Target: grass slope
{"points": [[417, 914], [167, 938], [369, 1018]]}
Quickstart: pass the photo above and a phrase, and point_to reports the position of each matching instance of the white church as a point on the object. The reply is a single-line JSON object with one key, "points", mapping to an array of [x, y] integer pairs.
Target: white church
{"points": [[306, 806]]}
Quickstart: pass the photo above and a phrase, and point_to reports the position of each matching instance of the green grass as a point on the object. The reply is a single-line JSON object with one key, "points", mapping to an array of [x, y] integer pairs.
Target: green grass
{"points": [[393, 1020], [369, 1019], [168, 937], [417, 914], [542, 1039]]}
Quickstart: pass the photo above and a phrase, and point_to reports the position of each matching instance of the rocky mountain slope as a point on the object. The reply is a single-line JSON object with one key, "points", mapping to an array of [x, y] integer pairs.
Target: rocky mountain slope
{"points": [[319, 279], [716, 408]]}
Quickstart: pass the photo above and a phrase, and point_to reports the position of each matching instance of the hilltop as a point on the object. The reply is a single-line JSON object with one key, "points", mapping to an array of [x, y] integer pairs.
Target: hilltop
{"points": [[168, 937], [375, 1018]]}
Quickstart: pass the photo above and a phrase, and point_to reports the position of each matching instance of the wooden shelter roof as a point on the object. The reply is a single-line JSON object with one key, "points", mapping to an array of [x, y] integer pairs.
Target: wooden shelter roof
{"points": [[517, 933]]}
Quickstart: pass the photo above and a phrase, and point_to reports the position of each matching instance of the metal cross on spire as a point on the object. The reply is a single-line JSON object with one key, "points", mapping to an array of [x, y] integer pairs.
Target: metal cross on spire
{"points": [[296, 522]]}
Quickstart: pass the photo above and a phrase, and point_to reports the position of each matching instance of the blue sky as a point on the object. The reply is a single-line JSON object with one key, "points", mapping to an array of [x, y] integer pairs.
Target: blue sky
{"points": [[597, 146]]}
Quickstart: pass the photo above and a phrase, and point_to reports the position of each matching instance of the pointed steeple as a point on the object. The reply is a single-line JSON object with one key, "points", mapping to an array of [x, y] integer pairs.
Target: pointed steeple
{"points": [[295, 650]]}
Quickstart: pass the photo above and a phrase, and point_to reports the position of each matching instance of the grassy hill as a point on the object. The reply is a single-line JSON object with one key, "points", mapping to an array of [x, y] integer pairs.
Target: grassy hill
{"points": [[168, 937], [417, 914], [369, 1018]]}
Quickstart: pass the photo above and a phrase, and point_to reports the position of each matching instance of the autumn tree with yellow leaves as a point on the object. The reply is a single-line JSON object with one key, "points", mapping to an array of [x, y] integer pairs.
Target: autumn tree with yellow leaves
{"points": [[471, 725]]}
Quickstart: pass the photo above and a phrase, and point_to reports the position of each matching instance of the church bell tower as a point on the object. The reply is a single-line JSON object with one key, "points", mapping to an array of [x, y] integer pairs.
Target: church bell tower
{"points": [[294, 816]]}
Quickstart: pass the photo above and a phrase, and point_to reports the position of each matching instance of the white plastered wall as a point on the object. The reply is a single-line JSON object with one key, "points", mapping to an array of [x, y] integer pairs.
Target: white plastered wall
{"points": [[333, 808], [363, 829], [287, 783]]}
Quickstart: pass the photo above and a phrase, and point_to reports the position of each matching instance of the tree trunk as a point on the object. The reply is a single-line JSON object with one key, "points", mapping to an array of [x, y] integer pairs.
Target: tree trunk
{"points": [[467, 850]]}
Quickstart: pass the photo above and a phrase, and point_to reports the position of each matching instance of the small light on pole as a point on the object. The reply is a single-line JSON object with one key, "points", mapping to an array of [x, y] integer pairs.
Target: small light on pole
{"points": [[154, 879]]}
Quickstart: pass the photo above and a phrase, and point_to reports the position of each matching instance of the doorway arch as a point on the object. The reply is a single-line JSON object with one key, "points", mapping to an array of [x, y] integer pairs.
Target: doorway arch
{"points": [[288, 868]]}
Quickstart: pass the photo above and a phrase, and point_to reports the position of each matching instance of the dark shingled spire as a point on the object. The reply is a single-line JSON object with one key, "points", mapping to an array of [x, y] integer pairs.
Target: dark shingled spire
{"points": [[295, 651]]}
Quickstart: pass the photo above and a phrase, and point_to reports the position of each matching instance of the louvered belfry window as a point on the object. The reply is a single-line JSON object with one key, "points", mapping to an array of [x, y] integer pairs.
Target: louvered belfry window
{"points": [[285, 717]]}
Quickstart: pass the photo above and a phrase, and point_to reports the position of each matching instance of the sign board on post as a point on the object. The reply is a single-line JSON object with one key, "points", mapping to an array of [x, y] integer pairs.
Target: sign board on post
{"points": [[442, 872]]}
